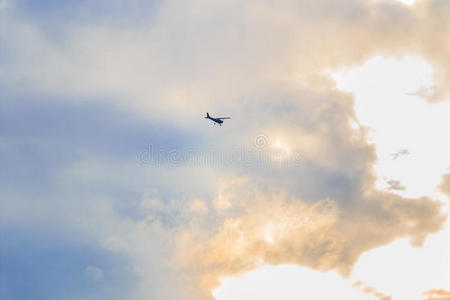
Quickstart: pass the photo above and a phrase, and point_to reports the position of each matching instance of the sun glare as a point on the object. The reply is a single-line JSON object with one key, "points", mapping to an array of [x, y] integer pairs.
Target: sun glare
{"points": [[410, 134], [280, 145], [408, 2], [411, 140], [412, 271], [288, 282]]}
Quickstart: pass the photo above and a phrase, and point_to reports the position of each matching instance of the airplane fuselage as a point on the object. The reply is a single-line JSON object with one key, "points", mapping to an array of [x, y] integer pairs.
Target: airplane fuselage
{"points": [[218, 121]]}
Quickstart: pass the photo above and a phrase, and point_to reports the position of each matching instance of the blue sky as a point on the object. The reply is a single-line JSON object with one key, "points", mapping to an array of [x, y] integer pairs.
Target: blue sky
{"points": [[45, 263]]}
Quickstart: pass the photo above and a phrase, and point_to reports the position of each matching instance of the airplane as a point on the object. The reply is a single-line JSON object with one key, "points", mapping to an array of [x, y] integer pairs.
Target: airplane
{"points": [[216, 120]]}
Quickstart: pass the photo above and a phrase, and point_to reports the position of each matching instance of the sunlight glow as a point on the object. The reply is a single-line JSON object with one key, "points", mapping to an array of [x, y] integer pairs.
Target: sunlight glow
{"points": [[413, 149], [410, 134], [408, 2], [268, 235], [280, 145], [411, 271], [288, 282]]}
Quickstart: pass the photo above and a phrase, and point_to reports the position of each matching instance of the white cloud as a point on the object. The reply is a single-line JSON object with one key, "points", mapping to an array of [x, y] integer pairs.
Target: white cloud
{"points": [[287, 282], [266, 63], [405, 272], [399, 120], [94, 273]]}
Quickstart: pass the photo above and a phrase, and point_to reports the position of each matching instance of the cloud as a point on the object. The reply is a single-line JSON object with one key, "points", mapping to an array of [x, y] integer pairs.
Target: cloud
{"points": [[204, 56], [270, 228], [370, 290], [94, 273], [395, 185], [288, 282], [185, 226], [445, 184], [436, 294], [198, 206], [400, 153]]}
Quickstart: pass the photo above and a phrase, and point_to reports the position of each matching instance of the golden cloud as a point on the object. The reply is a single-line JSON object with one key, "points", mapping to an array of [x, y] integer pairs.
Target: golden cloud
{"points": [[271, 228]]}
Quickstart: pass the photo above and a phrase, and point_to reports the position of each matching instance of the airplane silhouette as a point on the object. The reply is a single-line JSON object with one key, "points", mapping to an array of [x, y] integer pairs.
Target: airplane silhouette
{"points": [[216, 120]]}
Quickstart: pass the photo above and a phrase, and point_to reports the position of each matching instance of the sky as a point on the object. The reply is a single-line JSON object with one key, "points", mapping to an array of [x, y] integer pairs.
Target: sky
{"points": [[330, 180]]}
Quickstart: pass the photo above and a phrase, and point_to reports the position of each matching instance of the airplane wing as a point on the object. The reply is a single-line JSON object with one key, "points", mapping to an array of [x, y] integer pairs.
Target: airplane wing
{"points": [[224, 118]]}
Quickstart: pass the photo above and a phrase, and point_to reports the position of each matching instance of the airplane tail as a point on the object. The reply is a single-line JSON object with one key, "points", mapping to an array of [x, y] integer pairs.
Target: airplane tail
{"points": [[207, 115]]}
